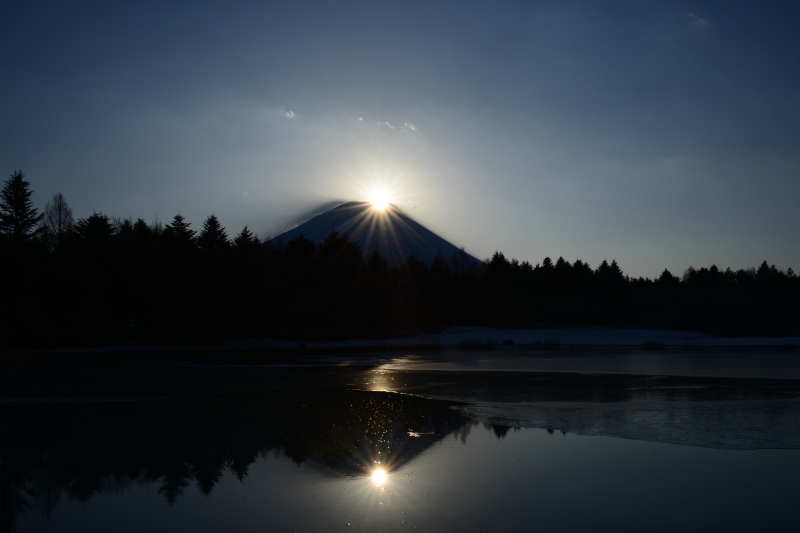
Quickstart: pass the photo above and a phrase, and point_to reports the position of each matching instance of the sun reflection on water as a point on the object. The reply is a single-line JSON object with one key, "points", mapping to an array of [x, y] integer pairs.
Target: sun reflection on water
{"points": [[380, 381], [383, 378]]}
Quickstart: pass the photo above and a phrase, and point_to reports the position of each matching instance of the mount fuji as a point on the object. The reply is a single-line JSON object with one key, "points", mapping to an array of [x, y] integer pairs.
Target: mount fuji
{"points": [[390, 232]]}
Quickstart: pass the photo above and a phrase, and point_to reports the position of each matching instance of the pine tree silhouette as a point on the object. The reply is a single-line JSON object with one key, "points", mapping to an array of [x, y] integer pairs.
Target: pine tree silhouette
{"points": [[19, 219], [213, 239]]}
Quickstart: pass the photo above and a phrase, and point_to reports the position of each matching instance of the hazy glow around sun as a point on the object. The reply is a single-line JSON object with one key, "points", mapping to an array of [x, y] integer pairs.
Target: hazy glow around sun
{"points": [[380, 199], [379, 476]]}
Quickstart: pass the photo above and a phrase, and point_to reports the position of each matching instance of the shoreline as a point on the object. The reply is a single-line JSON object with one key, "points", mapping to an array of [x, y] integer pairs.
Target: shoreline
{"points": [[461, 338]]}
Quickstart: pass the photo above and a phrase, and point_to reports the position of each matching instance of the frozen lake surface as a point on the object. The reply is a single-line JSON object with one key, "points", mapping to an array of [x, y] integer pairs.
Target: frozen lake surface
{"points": [[469, 441]]}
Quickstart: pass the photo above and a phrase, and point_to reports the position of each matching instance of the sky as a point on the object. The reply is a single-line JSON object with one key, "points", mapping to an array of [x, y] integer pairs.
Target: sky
{"points": [[661, 134]]}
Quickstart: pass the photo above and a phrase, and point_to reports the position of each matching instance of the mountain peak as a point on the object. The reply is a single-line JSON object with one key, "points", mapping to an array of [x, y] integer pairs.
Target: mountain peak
{"points": [[390, 232]]}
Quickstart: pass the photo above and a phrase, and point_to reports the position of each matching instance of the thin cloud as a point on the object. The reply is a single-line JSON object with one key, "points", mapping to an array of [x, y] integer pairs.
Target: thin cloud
{"points": [[405, 127], [288, 113], [696, 20]]}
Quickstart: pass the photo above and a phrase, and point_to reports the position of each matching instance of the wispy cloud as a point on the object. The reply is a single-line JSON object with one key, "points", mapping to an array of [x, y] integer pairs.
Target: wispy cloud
{"points": [[288, 113], [696, 20], [405, 127]]}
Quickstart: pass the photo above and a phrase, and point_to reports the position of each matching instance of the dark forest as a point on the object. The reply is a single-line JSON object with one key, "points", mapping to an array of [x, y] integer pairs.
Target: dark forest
{"points": [[101, 279]]}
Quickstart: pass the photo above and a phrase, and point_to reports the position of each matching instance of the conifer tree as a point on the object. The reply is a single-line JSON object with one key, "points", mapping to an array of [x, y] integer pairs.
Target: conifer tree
{"points": [[95, 233], [19, 219], [213, 238], [178, 234], [246, 239]]}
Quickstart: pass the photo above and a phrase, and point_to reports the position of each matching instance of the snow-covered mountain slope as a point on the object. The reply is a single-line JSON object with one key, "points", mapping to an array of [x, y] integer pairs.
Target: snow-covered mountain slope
{"points": [[390, 232]]}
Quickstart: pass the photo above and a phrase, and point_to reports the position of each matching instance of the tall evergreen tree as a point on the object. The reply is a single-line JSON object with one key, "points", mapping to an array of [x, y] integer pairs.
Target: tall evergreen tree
{"points": [[97, 230], [178, 234], [213, 239], [19, 219], [668, 279], [20, 270], [246, 239], [94, 238], [339, 255]]}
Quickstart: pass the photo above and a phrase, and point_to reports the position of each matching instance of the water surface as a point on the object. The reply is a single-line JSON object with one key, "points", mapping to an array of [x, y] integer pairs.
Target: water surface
{"points": [[472, 442]]}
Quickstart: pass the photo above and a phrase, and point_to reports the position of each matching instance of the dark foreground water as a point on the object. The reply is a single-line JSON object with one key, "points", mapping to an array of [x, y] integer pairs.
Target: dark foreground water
{"points": [[467, 442]]}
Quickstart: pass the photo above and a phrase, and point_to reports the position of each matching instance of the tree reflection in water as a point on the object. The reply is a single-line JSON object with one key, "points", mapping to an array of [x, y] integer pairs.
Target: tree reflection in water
{"points": [[78, 450]]}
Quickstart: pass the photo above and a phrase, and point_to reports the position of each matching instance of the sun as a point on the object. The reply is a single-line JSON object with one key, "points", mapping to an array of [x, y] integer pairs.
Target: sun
{"points": [[379, 476], [380, 199]]}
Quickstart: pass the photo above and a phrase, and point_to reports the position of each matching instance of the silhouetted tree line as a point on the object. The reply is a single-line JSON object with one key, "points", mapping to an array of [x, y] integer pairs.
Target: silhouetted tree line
{"points": [[174, 444], [726, 302], [100, 277]]}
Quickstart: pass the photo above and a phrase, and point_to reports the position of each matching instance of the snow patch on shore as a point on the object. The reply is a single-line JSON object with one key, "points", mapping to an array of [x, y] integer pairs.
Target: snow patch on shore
{"points": [[570, 337]]}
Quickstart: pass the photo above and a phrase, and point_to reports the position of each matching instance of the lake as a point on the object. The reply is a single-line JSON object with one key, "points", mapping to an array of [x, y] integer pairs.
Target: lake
{"points": [[466, 440]]}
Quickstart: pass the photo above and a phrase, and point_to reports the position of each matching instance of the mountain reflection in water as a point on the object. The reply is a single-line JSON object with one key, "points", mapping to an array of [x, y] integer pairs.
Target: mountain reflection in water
{"points": [[78, 450], [77, 455]]}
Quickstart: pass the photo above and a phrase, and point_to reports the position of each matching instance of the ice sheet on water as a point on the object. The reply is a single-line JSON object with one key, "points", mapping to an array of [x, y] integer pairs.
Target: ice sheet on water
{"points": [[732, 425]]}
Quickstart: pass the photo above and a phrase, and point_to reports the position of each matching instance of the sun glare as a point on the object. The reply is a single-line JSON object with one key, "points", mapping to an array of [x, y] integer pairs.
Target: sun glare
{"points": [[379, 476], [380, 199]]}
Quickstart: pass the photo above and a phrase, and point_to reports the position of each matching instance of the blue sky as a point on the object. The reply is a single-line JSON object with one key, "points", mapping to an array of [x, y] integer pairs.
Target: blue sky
{"points": [[661, 134]]}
